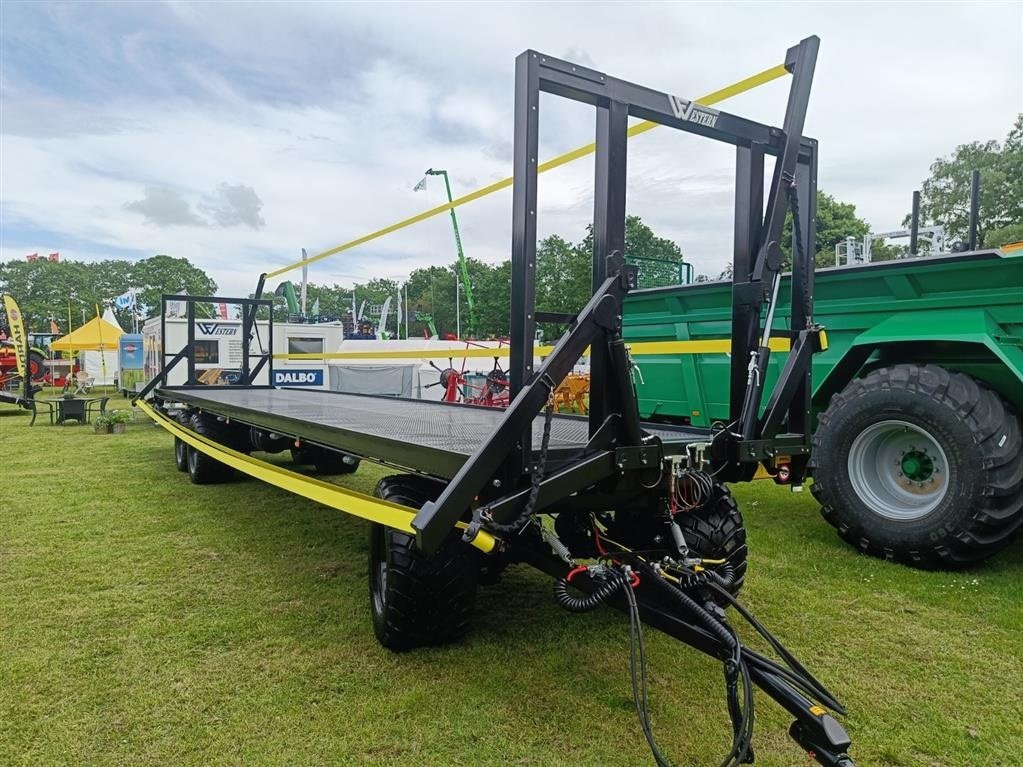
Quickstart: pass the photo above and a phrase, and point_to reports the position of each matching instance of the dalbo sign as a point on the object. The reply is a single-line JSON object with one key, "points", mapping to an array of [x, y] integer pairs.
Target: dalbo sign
{"points": [[293, 377]]}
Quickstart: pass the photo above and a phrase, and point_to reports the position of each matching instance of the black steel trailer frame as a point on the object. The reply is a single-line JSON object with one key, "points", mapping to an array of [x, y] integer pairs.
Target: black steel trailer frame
{"points": [[614, 464]]}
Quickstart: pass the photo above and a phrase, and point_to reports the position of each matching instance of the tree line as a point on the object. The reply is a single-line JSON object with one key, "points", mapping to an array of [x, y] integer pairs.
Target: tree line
{"points": [[45, 289], [52, 290]]}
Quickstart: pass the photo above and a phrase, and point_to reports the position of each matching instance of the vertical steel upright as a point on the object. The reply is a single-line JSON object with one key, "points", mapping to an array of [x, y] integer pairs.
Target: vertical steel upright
{"points": [[749, 218], [608, 235], [799, 414], [190, 344], [523, 255]]}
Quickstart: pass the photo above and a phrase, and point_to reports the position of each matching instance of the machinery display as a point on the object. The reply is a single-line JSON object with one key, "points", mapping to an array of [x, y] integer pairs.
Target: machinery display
{"points": [[620, 511]]}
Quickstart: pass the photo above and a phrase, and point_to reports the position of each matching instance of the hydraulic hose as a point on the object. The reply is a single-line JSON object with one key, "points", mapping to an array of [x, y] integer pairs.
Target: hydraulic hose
{"points": [[588, 602]]}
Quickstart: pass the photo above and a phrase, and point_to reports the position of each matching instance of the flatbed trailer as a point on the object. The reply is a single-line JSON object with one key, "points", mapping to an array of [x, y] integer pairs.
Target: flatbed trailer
{"points": [[436, 438], [620, 512]]}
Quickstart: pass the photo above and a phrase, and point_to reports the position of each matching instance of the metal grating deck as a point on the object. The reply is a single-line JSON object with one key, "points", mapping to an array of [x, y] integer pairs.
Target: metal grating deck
{"points": [[367, 425]]}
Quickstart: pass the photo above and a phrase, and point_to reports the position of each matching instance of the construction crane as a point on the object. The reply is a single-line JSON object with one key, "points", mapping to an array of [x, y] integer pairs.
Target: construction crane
{"points": [[466, 282]]}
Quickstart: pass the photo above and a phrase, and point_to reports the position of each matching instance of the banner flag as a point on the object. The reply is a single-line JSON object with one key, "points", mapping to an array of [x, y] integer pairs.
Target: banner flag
{"points": [[17, 325]]}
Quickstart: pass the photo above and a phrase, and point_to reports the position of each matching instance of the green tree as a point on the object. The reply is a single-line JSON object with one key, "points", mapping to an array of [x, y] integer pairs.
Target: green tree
{"points": [[945, 195], [658, 258], [836, 220], [431, 291], [155, 276], [996, 238], [46, 289]]}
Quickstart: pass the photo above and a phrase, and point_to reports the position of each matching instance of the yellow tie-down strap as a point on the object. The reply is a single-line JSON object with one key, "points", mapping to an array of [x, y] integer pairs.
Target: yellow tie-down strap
{"points": [[746, 84], [637, 349], [334, 496]]}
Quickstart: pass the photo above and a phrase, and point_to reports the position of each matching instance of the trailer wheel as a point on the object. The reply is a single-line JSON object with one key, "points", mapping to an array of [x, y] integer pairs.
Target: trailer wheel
{"points": [[415, 599], [180, 454], [920, 465], [203, 469], [716, 531]]}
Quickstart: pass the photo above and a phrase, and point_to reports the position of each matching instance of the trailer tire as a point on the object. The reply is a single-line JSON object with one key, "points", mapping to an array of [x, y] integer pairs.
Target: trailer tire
{"points": [[204, 469], [418, 600], [180, 454], [920, 465], [716, 531]]}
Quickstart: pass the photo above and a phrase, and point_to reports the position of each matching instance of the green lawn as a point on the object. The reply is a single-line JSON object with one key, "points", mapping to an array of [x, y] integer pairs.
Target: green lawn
{"points": [[144, 620]]}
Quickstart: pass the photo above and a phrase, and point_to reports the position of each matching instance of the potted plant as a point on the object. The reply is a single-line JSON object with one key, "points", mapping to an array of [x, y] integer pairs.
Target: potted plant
{"points": [[102, 424], [118, 420]]}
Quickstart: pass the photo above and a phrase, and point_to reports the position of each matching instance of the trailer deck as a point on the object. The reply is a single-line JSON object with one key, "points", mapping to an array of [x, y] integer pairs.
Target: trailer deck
{"points": [[434, 437]]}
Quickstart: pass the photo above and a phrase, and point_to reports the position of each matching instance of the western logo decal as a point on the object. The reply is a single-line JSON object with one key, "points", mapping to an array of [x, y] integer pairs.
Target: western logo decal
{"points": [[216, 329], [692, 112]]}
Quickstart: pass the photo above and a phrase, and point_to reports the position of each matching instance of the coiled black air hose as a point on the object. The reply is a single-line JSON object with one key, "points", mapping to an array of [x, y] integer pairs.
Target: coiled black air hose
{"points": [[588, 602]]}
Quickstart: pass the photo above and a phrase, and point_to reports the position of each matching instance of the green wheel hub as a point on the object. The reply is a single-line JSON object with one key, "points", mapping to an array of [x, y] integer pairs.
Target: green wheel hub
{"points": [[917, 465]]}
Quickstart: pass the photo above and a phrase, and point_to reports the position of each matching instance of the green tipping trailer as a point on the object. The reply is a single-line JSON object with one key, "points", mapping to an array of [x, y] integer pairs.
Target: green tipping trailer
{"points": [[917, 398]]}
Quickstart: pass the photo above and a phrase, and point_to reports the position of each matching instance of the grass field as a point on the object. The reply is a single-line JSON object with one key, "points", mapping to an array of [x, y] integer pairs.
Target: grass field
{"points": [[146, 621]]}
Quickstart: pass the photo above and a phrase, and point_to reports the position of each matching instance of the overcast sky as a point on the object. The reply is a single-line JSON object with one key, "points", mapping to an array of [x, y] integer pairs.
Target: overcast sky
{"points": [[236, 134]]}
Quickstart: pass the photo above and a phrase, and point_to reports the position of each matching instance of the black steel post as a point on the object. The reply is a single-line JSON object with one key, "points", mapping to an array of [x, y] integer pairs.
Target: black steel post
{"points": [[248, 312], [914, 225], [163, 339], [974, 207], [269, 350], [190, 320], [801, 60], [802, 294], [749, 216], [608, 237], [523, 255]]}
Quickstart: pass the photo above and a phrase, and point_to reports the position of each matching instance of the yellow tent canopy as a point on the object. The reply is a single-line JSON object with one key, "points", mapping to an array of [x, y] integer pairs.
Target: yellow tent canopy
{"points": [[95, 335]]}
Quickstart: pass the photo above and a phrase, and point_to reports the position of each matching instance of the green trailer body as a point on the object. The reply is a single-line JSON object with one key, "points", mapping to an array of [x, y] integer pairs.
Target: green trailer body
{"points": [[964, 311], [935, 344]]}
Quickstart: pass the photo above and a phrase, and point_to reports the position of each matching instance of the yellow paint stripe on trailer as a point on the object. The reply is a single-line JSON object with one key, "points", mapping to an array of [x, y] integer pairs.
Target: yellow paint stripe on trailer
{"points": [[336, 497], [746, 84], [638, 349]]}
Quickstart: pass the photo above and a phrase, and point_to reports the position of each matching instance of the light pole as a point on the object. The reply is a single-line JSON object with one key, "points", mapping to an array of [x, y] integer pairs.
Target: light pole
{"points": [[464, 267]]}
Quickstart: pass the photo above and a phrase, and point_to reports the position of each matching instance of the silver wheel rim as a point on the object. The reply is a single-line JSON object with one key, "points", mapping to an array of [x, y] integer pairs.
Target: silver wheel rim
{"points": [[898, 470], [380, 574]]}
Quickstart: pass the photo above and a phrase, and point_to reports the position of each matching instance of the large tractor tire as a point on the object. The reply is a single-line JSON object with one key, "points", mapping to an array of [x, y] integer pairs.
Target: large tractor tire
{"points": [[204, 469], [326, 461], [418, 600], [716, 531], [36, 365], [920, 465]]}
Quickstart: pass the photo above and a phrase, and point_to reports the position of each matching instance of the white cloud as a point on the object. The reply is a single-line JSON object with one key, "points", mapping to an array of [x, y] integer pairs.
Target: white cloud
{"points": [[164, 207], [232, 205], [332, 112]]}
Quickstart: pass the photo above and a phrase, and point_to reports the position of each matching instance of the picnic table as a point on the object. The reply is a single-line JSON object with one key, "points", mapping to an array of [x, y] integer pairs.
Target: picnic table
{"points": [[78, 409]]}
